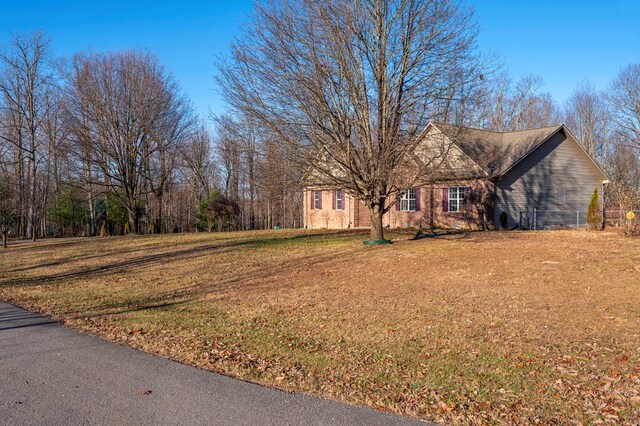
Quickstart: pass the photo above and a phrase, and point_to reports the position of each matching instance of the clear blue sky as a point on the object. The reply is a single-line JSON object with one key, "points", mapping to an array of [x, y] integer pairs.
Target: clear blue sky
{"points": [[562, 41]]}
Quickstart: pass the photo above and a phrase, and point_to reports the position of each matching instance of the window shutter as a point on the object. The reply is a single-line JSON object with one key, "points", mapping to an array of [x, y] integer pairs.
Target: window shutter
{"points": [[417, 199], [467, 201], [398, 197], [333, 200], [445, 200], [313, 204], [320, 200]]}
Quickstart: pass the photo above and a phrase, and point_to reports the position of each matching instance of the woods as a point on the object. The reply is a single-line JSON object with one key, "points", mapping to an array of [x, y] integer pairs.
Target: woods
{"points": [[107, 143]]}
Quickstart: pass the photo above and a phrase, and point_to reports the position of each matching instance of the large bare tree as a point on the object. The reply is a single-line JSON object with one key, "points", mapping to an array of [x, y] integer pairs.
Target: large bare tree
{"points": [[127, 116], [587, 115], [26, 78], [198, 164], [624, 99], [238, 144], [350, 84], [623, 162]]}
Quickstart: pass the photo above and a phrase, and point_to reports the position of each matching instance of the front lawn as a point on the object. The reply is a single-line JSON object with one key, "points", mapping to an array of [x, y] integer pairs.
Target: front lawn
{"points": [[513, 327]]}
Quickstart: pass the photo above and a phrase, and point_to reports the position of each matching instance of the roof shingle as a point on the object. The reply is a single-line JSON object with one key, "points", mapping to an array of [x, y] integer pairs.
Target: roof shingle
{"points": [[496, 152]]}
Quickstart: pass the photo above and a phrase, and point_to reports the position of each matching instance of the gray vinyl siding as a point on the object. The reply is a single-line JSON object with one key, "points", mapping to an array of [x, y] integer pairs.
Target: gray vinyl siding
{"points": [[533, 183]]}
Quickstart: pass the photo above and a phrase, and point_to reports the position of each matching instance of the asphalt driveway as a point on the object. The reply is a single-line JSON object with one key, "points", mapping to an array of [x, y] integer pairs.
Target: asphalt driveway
{"points": [[53, 375]]}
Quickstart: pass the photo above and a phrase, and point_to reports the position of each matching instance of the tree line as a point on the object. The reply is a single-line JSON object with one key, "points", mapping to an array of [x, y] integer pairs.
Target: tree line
{"points": [[106, 143]]}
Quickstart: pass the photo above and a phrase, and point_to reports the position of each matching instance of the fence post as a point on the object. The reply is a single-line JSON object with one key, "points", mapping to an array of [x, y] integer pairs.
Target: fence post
{"points": [[604, 216], [577, 219], [535, 219], [520, 221]]}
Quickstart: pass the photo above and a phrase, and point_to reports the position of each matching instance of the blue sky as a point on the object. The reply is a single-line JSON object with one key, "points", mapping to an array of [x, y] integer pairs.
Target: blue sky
{"points": [[562, 41]]}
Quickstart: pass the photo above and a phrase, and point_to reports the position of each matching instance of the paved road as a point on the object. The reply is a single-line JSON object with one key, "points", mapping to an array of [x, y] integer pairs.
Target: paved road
{"points": [[53, 375]]}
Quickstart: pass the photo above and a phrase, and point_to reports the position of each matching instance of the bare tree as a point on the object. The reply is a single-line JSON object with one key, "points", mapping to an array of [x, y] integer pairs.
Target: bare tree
{"points": [[238, 146], [588, 116], [197, 158], [350, 85], [278, 186], [228, 153], [126, 114], [169, 138], [623, 164], [623, 168], [25, 80], [624, 100], [55, 158], [520, 106]]}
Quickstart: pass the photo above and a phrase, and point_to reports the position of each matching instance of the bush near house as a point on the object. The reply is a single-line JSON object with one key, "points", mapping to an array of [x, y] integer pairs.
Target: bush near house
{"points": [[594, 213]]}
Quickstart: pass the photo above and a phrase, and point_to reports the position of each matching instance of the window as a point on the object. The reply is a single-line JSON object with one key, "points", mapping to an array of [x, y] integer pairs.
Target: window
{"points": [[560, 195], [408, 201], [457, 196], [317, 200], [339, 200]]}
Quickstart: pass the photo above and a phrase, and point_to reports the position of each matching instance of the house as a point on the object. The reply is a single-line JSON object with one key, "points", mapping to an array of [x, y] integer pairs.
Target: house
{"points": [[537, 178]]}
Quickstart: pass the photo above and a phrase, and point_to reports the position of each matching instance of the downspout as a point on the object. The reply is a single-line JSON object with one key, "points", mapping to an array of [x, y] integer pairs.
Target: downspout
{"points": [[604, 206]]}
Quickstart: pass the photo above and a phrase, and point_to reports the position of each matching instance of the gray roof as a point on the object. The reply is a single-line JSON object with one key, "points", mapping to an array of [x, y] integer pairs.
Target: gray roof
{"points": [[496, 152]]}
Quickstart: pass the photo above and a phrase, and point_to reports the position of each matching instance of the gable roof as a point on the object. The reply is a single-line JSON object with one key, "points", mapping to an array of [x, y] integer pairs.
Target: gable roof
{"points": [[496, 152], [483, 153]]}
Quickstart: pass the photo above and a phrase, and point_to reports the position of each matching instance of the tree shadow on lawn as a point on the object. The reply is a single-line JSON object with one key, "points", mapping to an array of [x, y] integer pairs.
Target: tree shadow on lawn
{"points": [[125, 307], [95, 243], [107, 309], [473, 236], [47, 244], [76, 258], [270, 277], [154, 259], [441, 234]]}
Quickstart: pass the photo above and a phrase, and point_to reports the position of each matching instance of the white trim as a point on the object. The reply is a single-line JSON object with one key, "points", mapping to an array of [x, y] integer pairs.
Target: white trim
{"points": [[460, 198], [341, 199], [406, 199]]}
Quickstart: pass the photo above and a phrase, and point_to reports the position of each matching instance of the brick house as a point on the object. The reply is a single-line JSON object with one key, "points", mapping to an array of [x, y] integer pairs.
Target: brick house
{"points": [[486, 173]]}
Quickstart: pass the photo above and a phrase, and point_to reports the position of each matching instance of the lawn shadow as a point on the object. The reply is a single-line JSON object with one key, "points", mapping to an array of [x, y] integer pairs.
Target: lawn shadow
{"points": [[31, 324], [154, 259], [266, 277], [126, 307], [442, 234]]}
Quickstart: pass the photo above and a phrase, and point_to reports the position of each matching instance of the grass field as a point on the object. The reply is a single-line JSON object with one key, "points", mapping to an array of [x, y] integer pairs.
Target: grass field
{"points": [[515, 327]]}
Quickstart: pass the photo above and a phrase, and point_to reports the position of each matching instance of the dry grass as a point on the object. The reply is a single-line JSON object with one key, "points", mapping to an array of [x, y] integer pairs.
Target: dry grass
{"points": [[471, 328]]}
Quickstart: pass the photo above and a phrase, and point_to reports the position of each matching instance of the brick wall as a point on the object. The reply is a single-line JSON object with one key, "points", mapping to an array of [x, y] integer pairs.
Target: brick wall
{"points": [[430, 201]]}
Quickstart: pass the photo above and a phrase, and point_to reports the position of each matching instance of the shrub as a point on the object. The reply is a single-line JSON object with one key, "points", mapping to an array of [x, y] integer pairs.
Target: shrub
{"points": [[103, 229], [216, 210], [594, 221]]}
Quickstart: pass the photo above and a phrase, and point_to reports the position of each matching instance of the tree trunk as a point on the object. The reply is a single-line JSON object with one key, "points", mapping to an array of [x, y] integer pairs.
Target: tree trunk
{"points": [[159, 225], [93, 228], [132, 221], [377, 233], [4, 238], [31, 213]]}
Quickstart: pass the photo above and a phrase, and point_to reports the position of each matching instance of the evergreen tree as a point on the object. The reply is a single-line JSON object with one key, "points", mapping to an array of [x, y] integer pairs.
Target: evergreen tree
{"points": [[593, 212]]}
